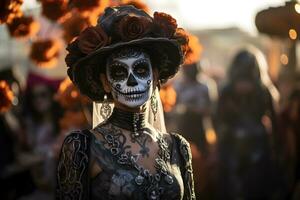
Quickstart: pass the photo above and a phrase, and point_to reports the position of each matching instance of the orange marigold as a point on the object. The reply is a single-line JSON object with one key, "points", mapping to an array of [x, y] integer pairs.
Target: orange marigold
{"points": [[10, 9], [55, 10], [194, 50], [6, 96], [68, 95], [74, 25], [89, 8], [23, 27], [45, 52], [136, 3]]}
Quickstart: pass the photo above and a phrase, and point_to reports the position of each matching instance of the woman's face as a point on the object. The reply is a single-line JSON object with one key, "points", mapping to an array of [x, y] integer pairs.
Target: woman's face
{"points": [[41, 98], [130, 78]]}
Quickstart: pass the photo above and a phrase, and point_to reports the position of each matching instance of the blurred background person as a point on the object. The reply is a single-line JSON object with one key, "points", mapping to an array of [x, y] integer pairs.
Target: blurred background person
{"points": [[191, 116], [290, 121], [42, 115], [247, 131], [15, 178]]}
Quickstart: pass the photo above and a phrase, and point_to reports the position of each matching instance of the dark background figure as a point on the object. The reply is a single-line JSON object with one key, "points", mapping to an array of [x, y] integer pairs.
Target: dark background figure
{"points": [[42, 114], [192, 105], [246, 127], [290, 121], [15, 181], [192, 110]]}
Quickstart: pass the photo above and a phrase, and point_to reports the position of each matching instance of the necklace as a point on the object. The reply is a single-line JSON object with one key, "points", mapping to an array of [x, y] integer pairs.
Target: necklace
{"points": [[131, 121], [114, 142]]}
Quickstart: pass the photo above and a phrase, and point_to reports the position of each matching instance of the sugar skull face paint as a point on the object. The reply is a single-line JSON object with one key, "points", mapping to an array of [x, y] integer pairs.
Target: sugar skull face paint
{"points": [[130, 75]]}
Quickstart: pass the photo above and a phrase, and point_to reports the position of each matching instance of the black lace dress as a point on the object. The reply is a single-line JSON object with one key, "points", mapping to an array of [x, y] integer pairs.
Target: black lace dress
{"points": [[121, 177]]}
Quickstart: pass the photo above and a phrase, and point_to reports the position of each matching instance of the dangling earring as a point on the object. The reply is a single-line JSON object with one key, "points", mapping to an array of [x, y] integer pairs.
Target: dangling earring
{"points": [[154, 105], [105, 109]]}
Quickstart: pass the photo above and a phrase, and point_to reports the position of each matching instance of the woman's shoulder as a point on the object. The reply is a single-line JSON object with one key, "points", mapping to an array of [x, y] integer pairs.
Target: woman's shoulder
{"points": [[77, 136], [180, 143], [72, 167], [75, 142]]}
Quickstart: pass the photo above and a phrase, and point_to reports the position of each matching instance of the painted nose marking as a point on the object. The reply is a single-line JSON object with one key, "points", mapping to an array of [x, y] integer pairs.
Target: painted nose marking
{"points": [[131, 81]]}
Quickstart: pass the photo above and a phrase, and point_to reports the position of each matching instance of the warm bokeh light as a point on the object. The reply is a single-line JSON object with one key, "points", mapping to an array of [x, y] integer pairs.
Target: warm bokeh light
{"points": [[168, 97], [74, 94], [297, 7], [293, 34], [6, 96], [211, 136], [284, 59]]}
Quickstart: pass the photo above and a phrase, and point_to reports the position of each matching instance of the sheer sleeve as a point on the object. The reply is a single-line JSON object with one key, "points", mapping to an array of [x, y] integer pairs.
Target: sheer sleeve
{"points": [[186, 167], [72, 169]]}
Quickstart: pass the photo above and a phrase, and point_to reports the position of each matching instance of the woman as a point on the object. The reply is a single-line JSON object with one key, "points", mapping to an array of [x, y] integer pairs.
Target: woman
{"points": [[41, 125], [247, 130], [124, 59]]}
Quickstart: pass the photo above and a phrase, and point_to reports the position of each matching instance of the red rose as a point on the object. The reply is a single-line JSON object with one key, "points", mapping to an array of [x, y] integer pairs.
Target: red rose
{"points": [[6, 96], [133, 27], [182, 38], [74, 53], [164, 25], [92, 38]]}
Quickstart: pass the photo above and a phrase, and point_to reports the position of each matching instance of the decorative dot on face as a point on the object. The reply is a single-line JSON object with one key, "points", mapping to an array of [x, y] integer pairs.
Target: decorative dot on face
{"points": [[118, 86]]}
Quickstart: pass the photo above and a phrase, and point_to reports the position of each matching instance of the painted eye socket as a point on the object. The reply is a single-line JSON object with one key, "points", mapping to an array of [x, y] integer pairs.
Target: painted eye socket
{"points": [[142, 69], [118, 72]]}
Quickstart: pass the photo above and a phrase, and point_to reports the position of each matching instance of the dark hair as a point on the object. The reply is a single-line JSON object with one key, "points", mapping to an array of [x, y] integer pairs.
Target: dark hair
{"points": [[244, 66]]}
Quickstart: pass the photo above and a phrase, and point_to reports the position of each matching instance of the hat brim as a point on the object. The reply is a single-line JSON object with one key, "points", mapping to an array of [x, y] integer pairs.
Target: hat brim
{"points": [[86, 72]]}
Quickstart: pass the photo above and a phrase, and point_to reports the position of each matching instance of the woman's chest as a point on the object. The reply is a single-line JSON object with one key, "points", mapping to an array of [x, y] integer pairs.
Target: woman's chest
{"points": [[126, 183]]}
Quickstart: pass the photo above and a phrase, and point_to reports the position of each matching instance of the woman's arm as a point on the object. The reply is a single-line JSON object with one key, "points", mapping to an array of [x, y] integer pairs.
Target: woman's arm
{"points": [[186, 167], [72, 168]]}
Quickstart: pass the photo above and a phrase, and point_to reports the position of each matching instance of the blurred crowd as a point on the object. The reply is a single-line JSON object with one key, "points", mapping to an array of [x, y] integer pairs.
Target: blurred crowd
{"points": [[33, 126], [245, 142]]}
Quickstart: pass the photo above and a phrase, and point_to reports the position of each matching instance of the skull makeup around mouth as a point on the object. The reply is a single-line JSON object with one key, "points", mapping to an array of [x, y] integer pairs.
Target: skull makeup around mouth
{"points": [[130, 77]]}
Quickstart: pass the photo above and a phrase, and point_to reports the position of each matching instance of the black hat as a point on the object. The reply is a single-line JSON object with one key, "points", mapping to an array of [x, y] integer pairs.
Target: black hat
{"points": [[124, 26]]}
